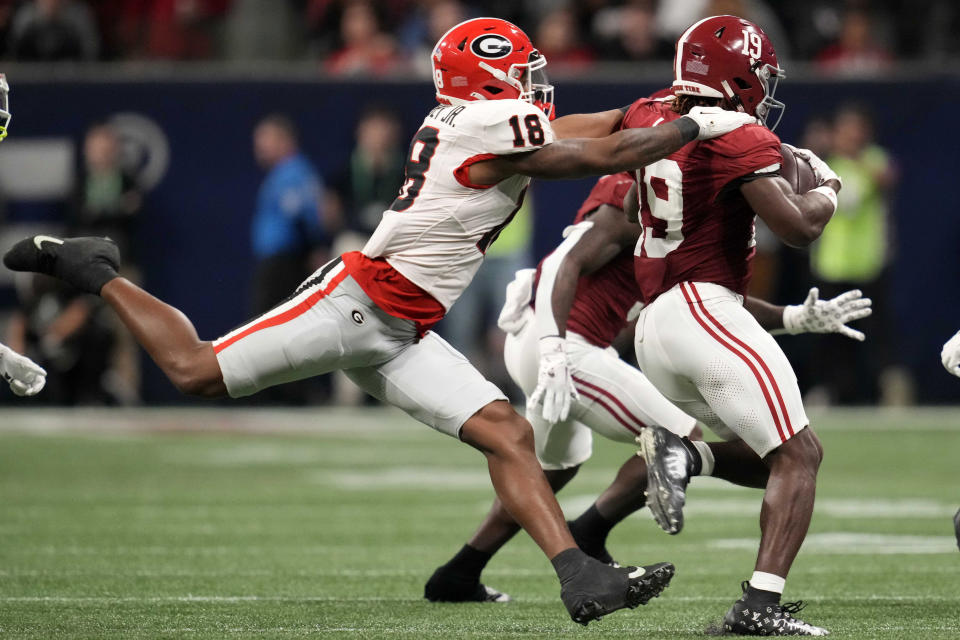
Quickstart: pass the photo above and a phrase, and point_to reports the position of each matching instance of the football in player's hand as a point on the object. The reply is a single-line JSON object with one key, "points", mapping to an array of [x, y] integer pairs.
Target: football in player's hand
{"points": [[796, 171]]}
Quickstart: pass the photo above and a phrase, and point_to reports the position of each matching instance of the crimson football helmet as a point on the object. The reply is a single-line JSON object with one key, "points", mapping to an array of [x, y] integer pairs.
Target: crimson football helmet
{"points": [[730, 58], [489, 59]]}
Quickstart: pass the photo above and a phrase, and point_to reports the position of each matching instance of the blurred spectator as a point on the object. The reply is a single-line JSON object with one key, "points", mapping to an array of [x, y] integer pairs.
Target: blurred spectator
{"points": [[558, 38], [172, 29], [853, 253], [673, 18], [629, 32], [288, 236], [365, 48], [108, 197], [856, 51], [262, 30], [372, 177], [54, 30], [69, 334], [107, 203], [287, 224], [425, 26]]}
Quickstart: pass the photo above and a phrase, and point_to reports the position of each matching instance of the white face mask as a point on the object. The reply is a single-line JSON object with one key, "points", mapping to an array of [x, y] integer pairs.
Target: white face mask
{"points": [[4, 106], [770, 78]]}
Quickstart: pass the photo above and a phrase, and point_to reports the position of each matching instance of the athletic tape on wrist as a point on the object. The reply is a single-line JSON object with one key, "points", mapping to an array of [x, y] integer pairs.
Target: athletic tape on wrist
{"points": [[829, 193]]}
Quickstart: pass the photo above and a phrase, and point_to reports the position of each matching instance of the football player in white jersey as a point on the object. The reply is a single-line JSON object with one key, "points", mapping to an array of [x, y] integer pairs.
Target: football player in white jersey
{"points": [[25, 377], [369, 312]]}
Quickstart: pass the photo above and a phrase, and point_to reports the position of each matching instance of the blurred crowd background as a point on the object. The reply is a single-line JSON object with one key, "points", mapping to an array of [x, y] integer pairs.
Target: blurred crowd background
{"points": [[375, 37], [297, 187]]}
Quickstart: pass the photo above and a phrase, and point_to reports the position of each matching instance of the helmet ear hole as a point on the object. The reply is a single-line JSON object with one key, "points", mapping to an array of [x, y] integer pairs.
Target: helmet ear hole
{"points": [[492, 90], [742, 84]]}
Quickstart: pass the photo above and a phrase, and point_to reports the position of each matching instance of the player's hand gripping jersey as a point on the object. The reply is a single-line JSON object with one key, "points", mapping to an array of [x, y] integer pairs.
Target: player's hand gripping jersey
{"points": [[437, 230], [697, 226]]}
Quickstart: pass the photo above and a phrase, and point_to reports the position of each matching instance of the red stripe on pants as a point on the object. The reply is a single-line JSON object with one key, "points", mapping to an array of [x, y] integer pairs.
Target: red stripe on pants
{"points": [[293, 312], [744, 358]]}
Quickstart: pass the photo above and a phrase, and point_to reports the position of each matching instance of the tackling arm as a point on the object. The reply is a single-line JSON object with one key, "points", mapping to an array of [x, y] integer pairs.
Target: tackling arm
{"points": [[580, 157], [588, 125]]}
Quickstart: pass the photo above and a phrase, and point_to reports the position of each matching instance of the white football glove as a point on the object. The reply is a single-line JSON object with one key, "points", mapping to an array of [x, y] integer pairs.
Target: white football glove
{"points": [[951, 355], [821, 170], [26, 378], [714, 121], [828, 316], [554, 381]]}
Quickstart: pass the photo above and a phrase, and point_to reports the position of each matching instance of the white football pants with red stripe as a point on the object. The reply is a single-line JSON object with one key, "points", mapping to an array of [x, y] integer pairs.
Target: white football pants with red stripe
{"points": [[709, 356], [616, 400], [329, 324]]}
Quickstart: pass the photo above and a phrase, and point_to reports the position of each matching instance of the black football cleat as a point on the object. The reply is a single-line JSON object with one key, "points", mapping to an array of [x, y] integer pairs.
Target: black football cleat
{"points": [[669, 468], [600, 589], [956, 526], [749, 619], [445, 586], [85, 263]]}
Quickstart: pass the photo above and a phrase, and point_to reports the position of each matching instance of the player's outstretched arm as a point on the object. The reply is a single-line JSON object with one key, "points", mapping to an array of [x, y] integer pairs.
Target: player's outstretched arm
{"points": [[814, 315], [25, 377], [621, 151], [588, 125], [587, 247]]}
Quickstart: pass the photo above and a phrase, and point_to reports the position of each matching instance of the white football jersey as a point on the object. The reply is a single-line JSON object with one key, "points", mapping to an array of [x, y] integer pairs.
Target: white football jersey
{"points": [[439, 227]]}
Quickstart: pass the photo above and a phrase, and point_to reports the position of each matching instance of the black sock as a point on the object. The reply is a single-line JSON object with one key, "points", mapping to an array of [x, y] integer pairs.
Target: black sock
{"points": [[592, 526], [696, 462], [469, 562], [759, 596], [569, 563]]}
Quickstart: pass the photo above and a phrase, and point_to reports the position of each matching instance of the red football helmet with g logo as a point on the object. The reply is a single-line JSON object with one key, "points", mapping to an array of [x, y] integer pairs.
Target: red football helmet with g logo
{"points": [[733, 59], [489, 59]]}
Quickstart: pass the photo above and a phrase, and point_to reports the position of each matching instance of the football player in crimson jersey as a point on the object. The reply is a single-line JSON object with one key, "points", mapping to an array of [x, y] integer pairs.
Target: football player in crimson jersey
{"points": [[369, 312], [694, 339], [585, 290]]}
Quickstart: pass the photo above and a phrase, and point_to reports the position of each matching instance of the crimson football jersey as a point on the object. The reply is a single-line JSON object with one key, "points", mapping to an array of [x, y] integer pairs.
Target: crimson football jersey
{"points": [[605, 296], [696, 224]]}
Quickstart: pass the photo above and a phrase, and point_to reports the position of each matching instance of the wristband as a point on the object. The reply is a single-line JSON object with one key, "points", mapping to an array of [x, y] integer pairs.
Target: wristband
{"points": [[688, 128], [829, 193]]}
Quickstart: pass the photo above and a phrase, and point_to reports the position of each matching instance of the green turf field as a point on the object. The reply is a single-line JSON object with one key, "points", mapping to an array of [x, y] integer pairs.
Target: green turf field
{"points": [[168, 524]]}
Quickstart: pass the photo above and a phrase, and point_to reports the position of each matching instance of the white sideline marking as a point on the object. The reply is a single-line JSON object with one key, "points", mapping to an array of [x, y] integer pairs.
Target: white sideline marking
{"points": [[532, 600], [379, 422], [851, 508], [845, 543], [408, 477]]}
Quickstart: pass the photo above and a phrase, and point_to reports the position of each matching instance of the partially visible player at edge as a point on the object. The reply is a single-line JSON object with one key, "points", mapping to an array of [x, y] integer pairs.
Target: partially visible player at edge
{"points": [[584, 294], [25, 377], [369, 312], [694, 339], [950, 356]]}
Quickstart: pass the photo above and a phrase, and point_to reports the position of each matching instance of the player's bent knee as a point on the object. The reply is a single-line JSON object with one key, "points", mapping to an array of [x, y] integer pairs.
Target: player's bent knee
{"points": [[497, 428], [196, 373], [803, 450]]}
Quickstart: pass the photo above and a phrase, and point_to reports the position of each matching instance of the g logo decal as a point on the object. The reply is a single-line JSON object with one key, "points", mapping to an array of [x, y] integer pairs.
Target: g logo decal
{"points": [[491, 46]]}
